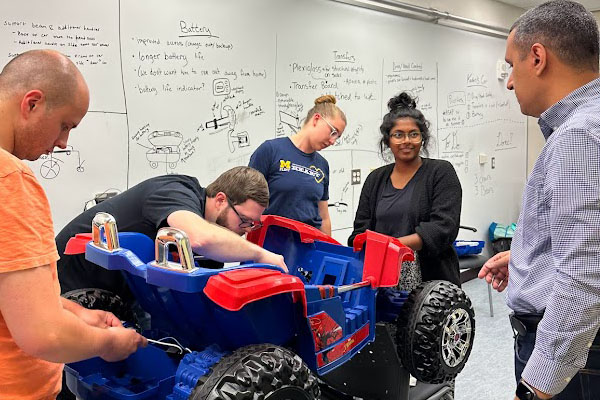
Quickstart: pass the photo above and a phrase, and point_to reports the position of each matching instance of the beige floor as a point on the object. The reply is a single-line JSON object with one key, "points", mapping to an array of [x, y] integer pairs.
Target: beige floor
{"points": [[489, 373]]}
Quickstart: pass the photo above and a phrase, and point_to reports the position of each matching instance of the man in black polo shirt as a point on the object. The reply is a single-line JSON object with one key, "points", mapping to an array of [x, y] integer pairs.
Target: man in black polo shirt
{"points": [[214, 218]]}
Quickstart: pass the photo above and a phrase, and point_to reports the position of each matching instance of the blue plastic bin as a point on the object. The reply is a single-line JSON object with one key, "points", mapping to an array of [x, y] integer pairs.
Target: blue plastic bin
{"points": [[148, 373], [466, 247]]}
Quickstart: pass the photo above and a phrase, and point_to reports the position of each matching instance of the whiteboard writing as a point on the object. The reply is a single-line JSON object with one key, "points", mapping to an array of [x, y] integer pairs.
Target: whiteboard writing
{"points": [[195, 87]]}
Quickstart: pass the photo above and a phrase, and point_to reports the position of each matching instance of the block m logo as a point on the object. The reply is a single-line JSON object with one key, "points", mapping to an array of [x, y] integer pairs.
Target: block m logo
{"points": [[284, 165]]}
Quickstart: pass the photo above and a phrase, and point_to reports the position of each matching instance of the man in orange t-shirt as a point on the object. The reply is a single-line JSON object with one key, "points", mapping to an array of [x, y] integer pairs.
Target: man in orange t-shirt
{"points": [[42, 97]]}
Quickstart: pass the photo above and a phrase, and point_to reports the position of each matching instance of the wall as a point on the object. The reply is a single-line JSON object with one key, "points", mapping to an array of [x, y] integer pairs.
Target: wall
{"points": [[131, 104], [535, 139], [498, 14], [486, 11]]}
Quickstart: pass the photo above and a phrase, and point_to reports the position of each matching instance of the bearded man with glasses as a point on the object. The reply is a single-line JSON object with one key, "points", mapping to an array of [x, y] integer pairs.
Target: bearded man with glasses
{"points": [[214, 218]]}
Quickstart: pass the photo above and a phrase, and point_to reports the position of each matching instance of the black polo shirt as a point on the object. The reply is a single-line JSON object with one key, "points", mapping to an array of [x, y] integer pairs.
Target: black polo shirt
{"points": [[144, 208]]}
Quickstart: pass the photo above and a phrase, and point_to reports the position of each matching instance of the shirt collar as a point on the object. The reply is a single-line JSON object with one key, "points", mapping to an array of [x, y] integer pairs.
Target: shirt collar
{"points": [[558, 113]]}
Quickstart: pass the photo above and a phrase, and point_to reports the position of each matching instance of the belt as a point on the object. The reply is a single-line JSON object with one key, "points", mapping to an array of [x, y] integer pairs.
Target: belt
{"points": [[525, 323]]}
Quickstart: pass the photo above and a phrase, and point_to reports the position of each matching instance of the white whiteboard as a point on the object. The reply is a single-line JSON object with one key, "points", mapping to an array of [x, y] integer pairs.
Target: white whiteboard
{"points": [[194, 87]]}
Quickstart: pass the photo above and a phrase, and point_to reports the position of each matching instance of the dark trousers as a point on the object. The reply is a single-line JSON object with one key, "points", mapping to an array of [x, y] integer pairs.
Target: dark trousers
{"points": [[585, 385]]}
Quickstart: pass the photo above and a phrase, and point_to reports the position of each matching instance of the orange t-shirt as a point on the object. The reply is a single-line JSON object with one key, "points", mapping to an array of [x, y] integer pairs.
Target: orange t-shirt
{"points": [[26, 241]]}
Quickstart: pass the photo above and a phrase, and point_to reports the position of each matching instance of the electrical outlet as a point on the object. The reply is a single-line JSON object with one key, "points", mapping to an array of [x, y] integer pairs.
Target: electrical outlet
{"points": [[355, 177], [501, 69]]}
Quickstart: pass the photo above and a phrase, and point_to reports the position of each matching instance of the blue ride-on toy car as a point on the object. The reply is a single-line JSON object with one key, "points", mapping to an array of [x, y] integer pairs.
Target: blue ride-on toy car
{"points": [[254, 332]]}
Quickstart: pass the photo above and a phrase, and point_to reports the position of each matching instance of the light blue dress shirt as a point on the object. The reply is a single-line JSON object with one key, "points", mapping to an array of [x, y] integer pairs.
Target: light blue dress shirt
{"points": [[555, 254]]}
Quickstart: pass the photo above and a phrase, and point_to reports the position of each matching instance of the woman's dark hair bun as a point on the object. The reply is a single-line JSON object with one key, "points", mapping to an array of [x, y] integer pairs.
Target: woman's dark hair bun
{"points": [[403, 100]]}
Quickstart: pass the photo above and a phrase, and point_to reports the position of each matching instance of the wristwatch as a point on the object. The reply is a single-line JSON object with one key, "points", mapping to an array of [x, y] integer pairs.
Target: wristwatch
{"points": [[525, 391]]}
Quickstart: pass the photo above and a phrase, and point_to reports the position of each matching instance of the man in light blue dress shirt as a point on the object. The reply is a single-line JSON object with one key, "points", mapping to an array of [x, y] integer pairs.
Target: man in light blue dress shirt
{"points": [[553, 268]]}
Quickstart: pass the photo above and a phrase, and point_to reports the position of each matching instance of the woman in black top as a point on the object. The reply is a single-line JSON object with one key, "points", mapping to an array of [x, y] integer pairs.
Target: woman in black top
{"points": [[415, 199]]}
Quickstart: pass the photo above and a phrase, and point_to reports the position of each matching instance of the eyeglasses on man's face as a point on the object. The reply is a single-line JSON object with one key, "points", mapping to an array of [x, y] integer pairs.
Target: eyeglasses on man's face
{"points": [[414, 136], [246, 222], [334, 132]]}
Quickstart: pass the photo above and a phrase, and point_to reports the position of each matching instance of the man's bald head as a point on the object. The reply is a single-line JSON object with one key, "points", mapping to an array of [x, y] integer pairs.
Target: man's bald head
{"points": [[46, 70], [42, 97]]}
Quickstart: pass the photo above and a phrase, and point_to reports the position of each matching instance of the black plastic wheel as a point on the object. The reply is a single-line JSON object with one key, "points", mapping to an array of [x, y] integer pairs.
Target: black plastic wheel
{"points": [[96, 299], [435, 331], [262, 371], [100, 299]]}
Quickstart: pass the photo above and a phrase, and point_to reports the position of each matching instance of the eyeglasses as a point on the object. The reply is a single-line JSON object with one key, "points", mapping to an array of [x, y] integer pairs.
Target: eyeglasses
{"points": [[414, 136], [334, 132], [246, 222]]}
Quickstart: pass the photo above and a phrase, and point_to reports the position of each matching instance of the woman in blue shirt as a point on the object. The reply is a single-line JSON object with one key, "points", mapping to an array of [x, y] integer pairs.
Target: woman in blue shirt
{"points": [[298, 176]]}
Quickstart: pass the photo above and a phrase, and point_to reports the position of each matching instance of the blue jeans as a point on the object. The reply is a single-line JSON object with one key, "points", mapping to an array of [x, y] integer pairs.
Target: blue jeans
{"points": [[585, 385]]}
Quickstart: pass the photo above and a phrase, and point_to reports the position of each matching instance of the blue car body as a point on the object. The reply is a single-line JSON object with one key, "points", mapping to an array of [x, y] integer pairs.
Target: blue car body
{"points": [[216, 311]]}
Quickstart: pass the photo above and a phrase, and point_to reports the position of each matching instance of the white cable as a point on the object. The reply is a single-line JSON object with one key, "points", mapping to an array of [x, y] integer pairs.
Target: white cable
{"points": [[166, 344], [178, 346], [178, 343]]}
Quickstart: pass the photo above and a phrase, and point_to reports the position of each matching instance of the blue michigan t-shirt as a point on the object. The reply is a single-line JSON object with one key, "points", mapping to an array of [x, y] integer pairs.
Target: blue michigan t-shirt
{"points": [[297, 180]]}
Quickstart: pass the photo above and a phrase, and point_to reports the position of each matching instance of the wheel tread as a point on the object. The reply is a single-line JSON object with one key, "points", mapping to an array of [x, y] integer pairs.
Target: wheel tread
{"points": [[254, 371], [420, 329], [101, 299]]}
